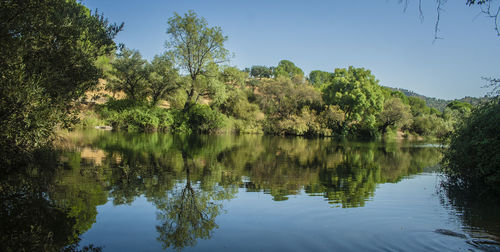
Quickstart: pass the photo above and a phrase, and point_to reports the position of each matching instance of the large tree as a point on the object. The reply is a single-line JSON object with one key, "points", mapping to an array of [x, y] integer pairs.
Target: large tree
{"points": [[129, 71], [357, 93], [282, 98], [395, 113], [195, 48], [47, 64], [288, 69]]}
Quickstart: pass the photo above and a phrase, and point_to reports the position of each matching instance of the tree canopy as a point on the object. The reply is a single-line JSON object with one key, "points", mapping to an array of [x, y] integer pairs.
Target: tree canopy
{"points": [[261, 72], [357, 93], [288, 69], [129, 70], [194, 47], [47, 63], [318, 78], [162, 78]]}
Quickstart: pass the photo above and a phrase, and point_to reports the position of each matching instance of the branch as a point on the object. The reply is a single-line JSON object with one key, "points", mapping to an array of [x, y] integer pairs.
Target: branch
{"points": [[439, 9]]}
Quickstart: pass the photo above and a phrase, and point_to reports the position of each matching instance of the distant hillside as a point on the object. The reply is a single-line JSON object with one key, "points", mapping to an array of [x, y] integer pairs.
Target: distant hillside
{"points": [[439, 104]]}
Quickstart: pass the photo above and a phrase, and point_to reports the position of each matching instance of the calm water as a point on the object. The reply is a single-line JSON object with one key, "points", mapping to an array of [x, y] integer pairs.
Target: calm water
{"points": [[126, 192]]}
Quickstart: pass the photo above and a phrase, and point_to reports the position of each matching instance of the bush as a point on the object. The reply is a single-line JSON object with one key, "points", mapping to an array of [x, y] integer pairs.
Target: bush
{"points": [[307, 122], [430, 125], [203, 119], [473, 156], [135, 116]]}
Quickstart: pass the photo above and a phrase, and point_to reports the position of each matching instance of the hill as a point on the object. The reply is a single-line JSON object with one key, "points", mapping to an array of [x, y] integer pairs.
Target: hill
{"points": [[440, 104]]}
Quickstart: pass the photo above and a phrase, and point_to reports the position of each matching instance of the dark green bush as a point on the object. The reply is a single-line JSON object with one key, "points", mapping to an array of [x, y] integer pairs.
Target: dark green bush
{"points": [[203, 119], [135, 116], [473, 156], [121, 105]]}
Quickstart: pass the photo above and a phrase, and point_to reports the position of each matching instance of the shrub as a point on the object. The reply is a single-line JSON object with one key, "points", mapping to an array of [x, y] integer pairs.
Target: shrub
{"points": [[430, 125], [136, 116], [203, 119], [473, 156]]}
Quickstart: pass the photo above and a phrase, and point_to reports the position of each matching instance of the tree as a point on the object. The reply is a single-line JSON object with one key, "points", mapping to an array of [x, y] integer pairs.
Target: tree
{"points": [[395, 113], [47, 64], [287, 69], [261, 72], [194, 47], [332, 118], [462, 107], [189, 214], [473, 156], [233, 76], [357, 93], [162, 78], [282, 98], [129, 71], [318, 78], [418, 106]]}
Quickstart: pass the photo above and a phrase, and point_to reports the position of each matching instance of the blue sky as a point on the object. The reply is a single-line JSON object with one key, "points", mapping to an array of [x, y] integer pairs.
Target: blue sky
{"points": [[324, 35]]}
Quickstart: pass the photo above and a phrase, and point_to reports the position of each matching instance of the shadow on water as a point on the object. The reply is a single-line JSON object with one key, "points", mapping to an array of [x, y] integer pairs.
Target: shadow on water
{"points": [[478, 212], [37, 214], [49, 204]]}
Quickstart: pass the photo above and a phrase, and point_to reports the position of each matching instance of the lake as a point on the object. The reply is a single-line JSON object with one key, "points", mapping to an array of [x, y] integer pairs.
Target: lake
{"points": [[151, 192]]}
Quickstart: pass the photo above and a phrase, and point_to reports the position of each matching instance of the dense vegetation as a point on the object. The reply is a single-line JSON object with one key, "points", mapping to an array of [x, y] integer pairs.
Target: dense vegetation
{"points": [[212, 97], [46, 63], [440, 104], [473, 158]]}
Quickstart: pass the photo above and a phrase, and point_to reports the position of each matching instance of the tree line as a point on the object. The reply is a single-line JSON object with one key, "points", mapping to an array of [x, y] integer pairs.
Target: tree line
{"points": [[204, 95]]}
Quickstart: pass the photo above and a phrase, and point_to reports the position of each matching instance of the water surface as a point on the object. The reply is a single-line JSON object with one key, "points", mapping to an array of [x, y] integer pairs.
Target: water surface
{"points": [[151, 192]]}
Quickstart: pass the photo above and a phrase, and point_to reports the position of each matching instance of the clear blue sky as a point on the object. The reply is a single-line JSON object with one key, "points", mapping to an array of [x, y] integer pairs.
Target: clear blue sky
{"points": [[324, 35]]}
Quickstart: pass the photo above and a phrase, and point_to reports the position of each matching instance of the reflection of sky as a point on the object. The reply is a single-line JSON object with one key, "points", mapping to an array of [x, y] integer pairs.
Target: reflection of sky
{"points": [[124, 227], [400, 216], [323, 35]]}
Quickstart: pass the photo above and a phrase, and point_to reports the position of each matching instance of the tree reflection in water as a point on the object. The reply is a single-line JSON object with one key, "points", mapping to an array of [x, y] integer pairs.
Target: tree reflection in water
{"points": [[477, 211], [32, 218], [188, 214], [189, 178]]}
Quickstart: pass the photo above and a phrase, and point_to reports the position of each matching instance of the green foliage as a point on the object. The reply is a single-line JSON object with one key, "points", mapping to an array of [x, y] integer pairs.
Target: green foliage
{"points": [[291, 109], [103, 63], [430, 125], [319, 78], [261, 72], [287, 69], [203, 119], [198, 119], [129, 74], [282, 98], [357, 93], [90, 118], [418, 106], [196, 48], [473, 156], [135, 116], [395, 113], [401, 96], [461, 107], [233, 76], [162, 79], [238, 106], [332, 118], [47, 63]]}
